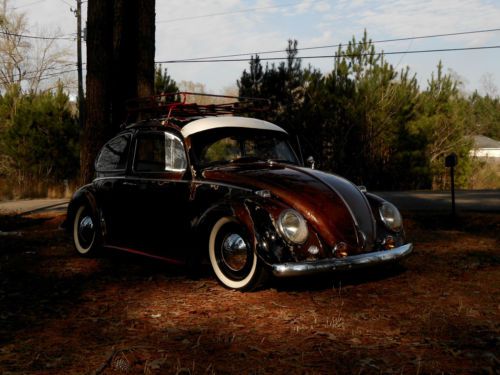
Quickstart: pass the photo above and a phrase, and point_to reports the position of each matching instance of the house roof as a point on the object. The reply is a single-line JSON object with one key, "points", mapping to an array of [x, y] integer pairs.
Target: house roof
{"points": [[481, 141]]}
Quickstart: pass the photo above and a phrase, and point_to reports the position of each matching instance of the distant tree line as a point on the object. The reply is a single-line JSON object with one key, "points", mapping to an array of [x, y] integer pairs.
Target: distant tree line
{"points": [[364, 119], [39, 139], [370, 122], [39, 136]]}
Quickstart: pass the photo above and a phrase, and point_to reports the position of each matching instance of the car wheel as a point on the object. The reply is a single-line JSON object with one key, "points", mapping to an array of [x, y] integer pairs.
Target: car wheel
{"points": [[85, 234], [232, 258]]}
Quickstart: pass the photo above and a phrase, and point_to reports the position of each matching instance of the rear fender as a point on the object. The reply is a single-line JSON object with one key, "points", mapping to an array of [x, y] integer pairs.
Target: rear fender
{"points": [[84, 195]]}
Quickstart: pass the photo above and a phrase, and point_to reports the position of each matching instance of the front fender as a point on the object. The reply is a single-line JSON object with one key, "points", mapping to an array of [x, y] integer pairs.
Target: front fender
{"points": [[382, 231], [255, 217]]}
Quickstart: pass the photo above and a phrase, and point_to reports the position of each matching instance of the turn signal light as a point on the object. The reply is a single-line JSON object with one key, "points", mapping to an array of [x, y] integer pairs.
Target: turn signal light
{"points": [[389, 243], [340, 250]]}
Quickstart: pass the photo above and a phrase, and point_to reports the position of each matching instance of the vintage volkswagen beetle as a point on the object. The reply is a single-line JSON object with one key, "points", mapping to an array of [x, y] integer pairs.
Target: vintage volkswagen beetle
{"points": [[231, 189]]}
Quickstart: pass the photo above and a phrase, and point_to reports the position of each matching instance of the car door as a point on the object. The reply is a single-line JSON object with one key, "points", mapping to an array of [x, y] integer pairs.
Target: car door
{"points": [[158, 191], [111, 167]]}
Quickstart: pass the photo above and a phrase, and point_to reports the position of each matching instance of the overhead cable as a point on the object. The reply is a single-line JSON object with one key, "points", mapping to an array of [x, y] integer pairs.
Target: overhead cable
{"points": [[344, 44], [227, 13]]}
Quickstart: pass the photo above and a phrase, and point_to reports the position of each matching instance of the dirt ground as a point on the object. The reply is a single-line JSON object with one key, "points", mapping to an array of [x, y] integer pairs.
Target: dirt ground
{"points": [[438, 313]]}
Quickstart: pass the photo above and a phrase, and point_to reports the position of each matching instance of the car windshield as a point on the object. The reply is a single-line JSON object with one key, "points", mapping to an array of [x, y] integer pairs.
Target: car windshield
{"points": [[233, 145]]}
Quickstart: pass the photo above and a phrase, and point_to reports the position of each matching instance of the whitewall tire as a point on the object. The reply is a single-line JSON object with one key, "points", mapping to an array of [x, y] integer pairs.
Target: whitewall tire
{"points": [[85, 235], [232, 258]]}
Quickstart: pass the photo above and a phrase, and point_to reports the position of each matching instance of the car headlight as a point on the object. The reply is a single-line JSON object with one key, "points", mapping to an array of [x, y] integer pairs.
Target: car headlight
{"points": [[391, 217], [293, 227]]}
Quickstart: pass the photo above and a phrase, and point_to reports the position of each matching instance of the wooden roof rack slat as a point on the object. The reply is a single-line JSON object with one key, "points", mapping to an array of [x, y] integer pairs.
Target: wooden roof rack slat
{"points": [[175, 105]]}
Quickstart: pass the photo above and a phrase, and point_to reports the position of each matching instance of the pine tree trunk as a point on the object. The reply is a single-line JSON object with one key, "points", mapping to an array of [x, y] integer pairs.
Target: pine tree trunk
{"points": [[120, 67], [124, 57], [146, 48], [98, 104], [134, 50]]}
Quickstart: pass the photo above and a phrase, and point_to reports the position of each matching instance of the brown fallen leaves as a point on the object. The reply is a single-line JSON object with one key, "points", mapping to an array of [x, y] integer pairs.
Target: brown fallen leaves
{"points": [[120, 314]]}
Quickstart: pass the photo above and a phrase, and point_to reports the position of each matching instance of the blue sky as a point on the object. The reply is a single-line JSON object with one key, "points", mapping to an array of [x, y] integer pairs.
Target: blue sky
{"points": [[252, 26]]}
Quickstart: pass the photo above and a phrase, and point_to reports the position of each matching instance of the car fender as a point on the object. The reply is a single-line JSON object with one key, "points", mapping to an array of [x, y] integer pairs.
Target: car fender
{"points": [[86, 195], [256, 215], [375, 202]]}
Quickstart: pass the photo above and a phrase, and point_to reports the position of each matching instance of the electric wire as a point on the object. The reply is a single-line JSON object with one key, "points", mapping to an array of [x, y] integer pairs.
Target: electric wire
{"points": [[25, 5], [344, 44], [47, 76], [335, 55], [36, 36], [227, 13], [310, 57], [33, 72]]}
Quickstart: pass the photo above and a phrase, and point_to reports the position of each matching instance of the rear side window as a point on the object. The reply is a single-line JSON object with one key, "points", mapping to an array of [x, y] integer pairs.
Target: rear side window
{"points": [[113, 156], [159, 152]]}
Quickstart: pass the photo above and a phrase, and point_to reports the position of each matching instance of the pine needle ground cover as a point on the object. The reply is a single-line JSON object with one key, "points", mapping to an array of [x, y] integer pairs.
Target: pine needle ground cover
{"points": [[438, 313]]}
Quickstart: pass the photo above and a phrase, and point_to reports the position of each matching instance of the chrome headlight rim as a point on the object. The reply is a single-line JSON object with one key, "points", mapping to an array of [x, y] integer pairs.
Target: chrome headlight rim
{"points": [[395, 223], [302, 227]]}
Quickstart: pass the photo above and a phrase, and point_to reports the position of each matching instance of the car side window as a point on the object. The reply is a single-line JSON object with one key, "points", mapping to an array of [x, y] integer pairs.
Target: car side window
{"points": [[175, 156], [113, 156], [159, 152]]}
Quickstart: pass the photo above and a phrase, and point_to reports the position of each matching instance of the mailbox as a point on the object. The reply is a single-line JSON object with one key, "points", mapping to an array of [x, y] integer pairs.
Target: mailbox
{"points": [[451, 160]]}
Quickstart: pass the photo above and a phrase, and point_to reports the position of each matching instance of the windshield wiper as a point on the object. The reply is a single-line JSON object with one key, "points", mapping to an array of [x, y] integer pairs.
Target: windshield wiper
{"points": [[247, 159], [283, 161]]}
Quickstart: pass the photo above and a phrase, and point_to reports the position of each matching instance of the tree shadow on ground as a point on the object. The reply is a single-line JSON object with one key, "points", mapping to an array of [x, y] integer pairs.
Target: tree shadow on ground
{"points": [[60, 313], [9, 223]]}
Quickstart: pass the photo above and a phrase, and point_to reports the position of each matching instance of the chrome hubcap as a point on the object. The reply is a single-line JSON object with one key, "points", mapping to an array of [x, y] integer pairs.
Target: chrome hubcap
{"points": [[86, 229], [234, 252]]}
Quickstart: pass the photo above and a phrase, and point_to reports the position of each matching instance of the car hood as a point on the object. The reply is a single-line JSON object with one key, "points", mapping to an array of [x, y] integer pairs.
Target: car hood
{"points": [[333, 206]]}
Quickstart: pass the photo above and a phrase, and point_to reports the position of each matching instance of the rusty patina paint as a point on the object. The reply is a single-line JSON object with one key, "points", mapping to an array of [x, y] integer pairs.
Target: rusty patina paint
{"points": [[321, 206]]}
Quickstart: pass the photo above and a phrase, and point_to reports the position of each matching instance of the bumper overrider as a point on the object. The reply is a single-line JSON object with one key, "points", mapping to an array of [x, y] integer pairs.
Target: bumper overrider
{"points": [[337, 264]]}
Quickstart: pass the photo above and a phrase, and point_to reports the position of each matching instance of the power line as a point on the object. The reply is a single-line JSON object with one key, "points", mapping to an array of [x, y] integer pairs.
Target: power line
{"points": [[35, 36], [336, 55], [340, 44], [62, 66], [65, 2], [25, 5], [47, 76], [227, 13]]}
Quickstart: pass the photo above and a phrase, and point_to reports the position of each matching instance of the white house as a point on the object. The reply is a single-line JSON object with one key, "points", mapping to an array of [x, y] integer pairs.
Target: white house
{"points": [[486, 148]]}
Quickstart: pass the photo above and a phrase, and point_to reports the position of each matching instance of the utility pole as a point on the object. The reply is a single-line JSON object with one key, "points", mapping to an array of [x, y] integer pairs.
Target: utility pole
{"points": [[81, 98]]}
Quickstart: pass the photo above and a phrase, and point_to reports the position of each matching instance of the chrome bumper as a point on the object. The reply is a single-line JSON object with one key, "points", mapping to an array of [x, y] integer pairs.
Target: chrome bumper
{"points": [[334, 264]]}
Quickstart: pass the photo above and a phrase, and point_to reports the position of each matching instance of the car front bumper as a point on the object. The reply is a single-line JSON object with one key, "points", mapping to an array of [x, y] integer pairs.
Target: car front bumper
{"points": [[337, 264]]}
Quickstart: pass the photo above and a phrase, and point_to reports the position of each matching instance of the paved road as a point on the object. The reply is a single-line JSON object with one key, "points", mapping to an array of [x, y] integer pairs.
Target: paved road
{"points": [[470, 200], [25, 206], [466, 200]]}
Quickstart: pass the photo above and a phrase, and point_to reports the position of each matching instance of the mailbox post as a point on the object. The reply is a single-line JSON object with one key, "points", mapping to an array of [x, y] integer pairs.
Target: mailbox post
{"points": [[450, 162]]}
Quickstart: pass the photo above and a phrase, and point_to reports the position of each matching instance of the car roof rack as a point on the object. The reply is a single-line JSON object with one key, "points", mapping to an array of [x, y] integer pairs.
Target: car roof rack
{"points": [[181, 107]]}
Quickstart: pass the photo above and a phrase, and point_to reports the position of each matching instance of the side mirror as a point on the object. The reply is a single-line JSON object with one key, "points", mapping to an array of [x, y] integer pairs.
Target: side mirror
{"points": [[310, 162]]}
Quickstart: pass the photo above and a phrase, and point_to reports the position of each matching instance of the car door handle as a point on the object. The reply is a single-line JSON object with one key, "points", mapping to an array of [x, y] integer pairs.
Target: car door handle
{"points": [[126, 183]]}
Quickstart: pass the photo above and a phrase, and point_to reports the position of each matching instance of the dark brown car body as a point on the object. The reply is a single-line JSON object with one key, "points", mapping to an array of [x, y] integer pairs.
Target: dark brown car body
{"points": [[171, 214]]}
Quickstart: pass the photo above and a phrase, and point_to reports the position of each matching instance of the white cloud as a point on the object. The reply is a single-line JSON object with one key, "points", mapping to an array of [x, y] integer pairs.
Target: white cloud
{"points": [[212, 36], [413, 18], [321, 7], [313, 23]]}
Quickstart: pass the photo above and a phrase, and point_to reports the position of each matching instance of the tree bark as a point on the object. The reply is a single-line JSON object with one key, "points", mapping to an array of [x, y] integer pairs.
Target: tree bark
{"points": [[124, 57], [97, 128], [146, 48], [134, 52], [120, 67]]}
